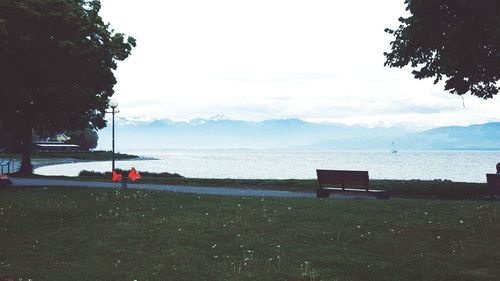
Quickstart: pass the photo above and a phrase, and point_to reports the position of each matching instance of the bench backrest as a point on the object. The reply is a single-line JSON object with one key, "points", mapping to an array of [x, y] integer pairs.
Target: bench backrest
{"points": [[493, 180], [343, 178]]}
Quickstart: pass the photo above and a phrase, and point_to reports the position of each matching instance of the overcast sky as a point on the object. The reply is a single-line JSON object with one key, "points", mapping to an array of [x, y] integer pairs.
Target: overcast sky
{"points": [[268, 59]]}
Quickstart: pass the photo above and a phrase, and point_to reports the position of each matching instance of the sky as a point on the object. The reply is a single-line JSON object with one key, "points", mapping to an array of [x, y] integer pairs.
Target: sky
{"points": [[320, 61]]}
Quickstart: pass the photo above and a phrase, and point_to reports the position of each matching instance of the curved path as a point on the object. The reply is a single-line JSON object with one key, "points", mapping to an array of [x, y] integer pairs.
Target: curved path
{"points": [[173, 188]]}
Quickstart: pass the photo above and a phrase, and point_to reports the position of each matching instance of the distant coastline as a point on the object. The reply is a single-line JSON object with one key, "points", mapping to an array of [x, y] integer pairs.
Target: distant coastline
{"points": [[58, 158]]}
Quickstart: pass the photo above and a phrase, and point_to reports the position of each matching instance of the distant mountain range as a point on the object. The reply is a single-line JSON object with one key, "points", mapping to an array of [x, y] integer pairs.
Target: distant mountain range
{"points": [[474, 137], [219, 133]]}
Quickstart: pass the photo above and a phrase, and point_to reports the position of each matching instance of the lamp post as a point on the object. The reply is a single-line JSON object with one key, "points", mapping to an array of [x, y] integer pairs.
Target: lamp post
{"points": [[113, 104]]}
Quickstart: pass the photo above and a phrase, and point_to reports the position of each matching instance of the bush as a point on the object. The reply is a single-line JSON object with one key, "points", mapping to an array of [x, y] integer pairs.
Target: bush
{"points": [[85, 173]]}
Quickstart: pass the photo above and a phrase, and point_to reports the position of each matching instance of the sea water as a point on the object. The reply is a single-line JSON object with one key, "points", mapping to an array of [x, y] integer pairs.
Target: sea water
{"points": [[463, 166]]}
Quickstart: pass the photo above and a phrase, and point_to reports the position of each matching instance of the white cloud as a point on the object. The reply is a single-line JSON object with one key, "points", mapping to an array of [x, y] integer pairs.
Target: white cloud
{"points": [[254, 60]]}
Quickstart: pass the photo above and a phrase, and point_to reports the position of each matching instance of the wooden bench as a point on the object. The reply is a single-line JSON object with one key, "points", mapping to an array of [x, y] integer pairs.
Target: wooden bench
{"points": [[343, 181], [493, 184]]}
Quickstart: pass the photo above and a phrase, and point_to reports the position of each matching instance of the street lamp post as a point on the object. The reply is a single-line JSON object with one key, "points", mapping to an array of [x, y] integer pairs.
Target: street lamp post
{"points": [[113, 104]]}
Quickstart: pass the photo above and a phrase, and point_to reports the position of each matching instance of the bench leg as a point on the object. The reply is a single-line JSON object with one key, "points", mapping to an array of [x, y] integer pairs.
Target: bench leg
{"points": [[321, 193]]}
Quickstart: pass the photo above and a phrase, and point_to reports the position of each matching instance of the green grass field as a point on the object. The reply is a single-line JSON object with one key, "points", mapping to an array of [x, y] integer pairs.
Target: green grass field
{"points": [[107, 234]]}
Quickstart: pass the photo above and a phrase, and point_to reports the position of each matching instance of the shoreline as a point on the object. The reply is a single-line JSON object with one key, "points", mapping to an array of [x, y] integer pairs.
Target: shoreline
{"points": [[39, 160], [414, 188], [469, 168], [62, 161]]}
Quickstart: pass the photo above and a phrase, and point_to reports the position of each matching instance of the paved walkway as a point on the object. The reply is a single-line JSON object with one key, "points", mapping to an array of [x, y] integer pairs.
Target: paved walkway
{"points": [[225, 191], [174, 188]]}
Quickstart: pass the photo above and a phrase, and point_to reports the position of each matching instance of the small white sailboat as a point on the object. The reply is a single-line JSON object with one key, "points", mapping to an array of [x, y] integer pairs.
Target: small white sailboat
{"points": [[393, 149]]}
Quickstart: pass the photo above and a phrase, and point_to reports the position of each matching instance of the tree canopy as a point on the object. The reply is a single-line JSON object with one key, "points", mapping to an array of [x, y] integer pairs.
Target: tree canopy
{"points": [[86, 139], [457, 41], [56, 67]]}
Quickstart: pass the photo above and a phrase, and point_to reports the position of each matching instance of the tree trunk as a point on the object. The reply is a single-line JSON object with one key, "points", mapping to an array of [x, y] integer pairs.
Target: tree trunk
{"points": [[27, 149]]}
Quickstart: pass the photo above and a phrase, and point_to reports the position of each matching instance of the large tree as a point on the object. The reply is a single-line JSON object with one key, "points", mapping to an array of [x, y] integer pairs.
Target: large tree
{"points": [[454, 40], [56, 67], [86, 138]]}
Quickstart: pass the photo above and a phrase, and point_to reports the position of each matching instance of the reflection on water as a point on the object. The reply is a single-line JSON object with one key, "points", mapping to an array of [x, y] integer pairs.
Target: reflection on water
{"points": [[465, 166]]}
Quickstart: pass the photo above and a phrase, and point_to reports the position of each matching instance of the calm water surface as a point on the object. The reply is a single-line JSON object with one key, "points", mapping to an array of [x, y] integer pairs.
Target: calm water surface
{"points": [[464, 166]]}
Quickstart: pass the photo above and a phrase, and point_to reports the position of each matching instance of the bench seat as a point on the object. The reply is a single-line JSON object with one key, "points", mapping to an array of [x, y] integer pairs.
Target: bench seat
{"points": [[346, 181]]}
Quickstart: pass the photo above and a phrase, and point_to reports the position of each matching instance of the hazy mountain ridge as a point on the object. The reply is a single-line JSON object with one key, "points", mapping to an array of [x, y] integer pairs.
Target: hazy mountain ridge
{"points": [[220, 133], [474, 137]]}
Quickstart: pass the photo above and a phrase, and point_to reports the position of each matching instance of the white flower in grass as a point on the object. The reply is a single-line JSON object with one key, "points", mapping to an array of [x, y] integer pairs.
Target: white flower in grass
{"points": [[461, 221]]}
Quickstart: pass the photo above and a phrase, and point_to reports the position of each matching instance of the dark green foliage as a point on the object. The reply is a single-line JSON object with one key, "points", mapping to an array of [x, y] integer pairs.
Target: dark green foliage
{"points": [[7, 140], [163, 175], [86, 139], [454, 40], [56, 67]]}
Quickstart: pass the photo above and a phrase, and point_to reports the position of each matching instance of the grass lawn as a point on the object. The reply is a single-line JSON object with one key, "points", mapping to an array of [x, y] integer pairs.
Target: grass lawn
{"points": [[107, 234]]}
